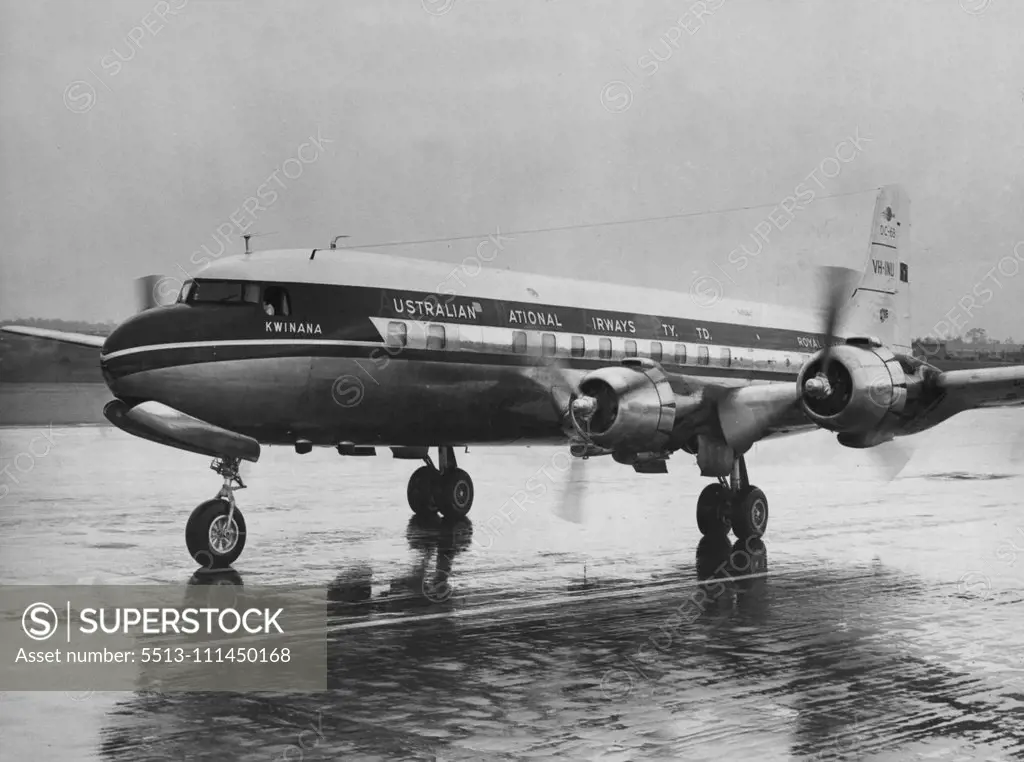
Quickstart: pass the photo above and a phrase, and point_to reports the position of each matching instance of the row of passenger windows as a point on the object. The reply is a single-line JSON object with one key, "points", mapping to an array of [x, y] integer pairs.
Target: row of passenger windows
{"points": [[578, 348], [436, 338]]}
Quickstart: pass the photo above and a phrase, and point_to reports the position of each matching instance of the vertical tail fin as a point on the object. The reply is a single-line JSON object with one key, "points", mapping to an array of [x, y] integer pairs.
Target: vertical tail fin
{"points": [[881, 304]]}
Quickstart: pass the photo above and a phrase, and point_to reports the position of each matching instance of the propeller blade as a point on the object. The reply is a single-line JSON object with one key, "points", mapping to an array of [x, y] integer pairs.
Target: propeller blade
{"points": [[838, 288], [747, 413], [155, 291], [890, 458], [1017, 449], [570, 505], [557, 380]]}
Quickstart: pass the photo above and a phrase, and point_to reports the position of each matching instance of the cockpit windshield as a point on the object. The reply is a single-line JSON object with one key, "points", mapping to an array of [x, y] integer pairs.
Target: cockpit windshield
{"points": [[223, 292]]}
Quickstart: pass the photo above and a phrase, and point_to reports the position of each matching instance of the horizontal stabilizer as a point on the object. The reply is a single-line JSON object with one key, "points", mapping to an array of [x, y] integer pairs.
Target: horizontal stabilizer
{"points": [[67, 337], [165, 425]]}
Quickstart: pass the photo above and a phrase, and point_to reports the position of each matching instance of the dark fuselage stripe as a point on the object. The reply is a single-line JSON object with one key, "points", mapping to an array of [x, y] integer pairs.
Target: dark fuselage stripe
{"points": [[324, 311]]}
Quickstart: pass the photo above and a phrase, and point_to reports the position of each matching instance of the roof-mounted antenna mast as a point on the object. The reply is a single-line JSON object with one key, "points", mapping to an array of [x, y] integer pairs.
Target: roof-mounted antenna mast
{"points": [[247, 236]]}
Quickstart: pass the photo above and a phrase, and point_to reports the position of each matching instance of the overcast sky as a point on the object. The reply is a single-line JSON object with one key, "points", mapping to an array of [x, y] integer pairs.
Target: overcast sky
{"points": [[128, 139]]}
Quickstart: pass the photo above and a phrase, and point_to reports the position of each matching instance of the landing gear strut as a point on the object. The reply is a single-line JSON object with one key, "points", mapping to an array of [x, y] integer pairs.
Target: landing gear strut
{"points": [[446, 489], [215, 532], [733, 503]]}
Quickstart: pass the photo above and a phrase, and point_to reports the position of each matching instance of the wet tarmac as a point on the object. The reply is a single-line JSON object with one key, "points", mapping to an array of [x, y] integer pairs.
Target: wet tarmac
{"points": [[878, 620]]}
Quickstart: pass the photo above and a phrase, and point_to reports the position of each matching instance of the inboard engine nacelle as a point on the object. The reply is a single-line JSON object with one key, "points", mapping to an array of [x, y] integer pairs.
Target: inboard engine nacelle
{"points": [[864, 391]]}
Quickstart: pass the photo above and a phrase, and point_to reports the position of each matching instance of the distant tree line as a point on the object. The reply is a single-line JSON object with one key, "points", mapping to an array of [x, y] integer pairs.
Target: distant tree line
{"points": [[974, 345]]}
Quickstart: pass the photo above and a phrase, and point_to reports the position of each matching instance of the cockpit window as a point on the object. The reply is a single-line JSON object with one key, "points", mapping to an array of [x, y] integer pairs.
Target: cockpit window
{"points": [[224, 292], [275, 301], [183, 294]]}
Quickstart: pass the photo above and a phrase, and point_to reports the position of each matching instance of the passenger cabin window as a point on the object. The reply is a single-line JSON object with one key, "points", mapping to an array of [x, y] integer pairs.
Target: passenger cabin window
{"points": [[275, 301], [630, 348], [579, 347], [518, 342], [604, 349], [398, 334], [547, 344], [435, 337], [702, 355], [224, 292], [726, 357], [680, 354], [656, 351]]}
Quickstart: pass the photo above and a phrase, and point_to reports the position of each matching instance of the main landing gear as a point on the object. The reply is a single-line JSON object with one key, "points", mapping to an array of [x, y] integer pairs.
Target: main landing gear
{"points": [[447, 489], [215, 532], [733, 503]]}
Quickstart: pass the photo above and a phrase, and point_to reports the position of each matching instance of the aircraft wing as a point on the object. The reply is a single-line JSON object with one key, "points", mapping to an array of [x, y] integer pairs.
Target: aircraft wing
{"points": [[983, 387], [67, 337]]}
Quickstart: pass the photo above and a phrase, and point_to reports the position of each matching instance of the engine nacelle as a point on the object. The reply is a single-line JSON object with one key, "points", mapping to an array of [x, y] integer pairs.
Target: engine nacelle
{"points": [[631, 407], [864, 393]]}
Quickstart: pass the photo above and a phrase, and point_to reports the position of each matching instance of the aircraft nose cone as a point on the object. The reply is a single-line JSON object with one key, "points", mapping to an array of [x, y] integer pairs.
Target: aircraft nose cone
{"points": [[120, 357]]}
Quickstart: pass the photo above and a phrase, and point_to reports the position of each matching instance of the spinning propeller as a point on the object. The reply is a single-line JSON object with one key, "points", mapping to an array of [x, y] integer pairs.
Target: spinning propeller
{"points": [[570, 403], [155, 291]]}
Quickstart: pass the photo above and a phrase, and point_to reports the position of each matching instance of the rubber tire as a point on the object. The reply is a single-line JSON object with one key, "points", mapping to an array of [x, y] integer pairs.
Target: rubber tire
{"points": [[713, 515], [750, 514], [197, 535], [420, 493], [454, 494]]}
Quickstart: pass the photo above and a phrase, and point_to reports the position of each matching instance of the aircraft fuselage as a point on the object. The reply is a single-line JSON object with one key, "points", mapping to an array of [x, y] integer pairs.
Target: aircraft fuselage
{"points": [[397, 366]]}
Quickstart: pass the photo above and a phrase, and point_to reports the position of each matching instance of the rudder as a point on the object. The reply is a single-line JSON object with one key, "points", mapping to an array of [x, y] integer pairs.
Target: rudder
{"points": [[880, 306]]}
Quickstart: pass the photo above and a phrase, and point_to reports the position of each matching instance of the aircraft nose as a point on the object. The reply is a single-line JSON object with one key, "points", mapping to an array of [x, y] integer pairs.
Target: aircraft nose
{"points": [[122, 354]]}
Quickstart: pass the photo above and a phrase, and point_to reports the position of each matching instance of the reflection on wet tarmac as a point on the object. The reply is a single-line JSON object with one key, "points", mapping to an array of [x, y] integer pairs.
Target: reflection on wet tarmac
{"points": [[719, 655], [845, 635]]}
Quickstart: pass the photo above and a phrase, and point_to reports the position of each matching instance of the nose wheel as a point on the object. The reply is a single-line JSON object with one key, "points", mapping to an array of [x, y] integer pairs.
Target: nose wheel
{"points": [[447, 490], [733, 504], [215, 532]]}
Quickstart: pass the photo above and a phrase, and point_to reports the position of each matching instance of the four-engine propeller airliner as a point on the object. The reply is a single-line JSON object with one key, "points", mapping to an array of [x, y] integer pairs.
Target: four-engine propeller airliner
{"points": [[353, 350]]}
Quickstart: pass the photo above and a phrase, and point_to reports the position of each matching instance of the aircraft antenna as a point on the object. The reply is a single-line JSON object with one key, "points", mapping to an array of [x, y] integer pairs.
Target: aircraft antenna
{"points": [[334, 241], [247, 236]]}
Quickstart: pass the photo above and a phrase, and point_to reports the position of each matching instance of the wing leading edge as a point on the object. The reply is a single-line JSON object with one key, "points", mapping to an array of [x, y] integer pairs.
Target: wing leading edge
{"points": [[984, 387], [66, 337]]}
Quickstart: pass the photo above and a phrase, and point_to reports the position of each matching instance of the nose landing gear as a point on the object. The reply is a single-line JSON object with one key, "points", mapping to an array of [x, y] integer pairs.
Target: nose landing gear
{"points": [[446, 489], [215, 532]]}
